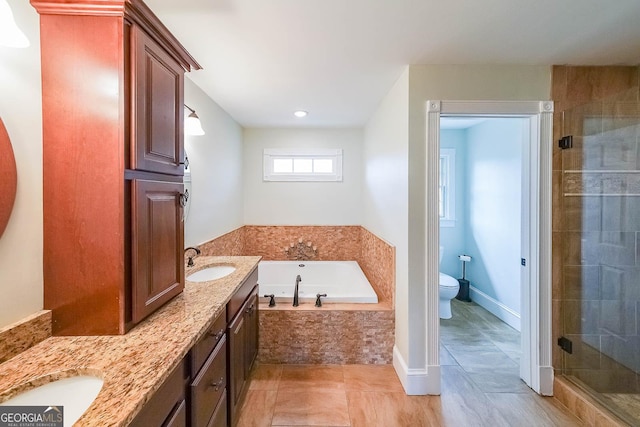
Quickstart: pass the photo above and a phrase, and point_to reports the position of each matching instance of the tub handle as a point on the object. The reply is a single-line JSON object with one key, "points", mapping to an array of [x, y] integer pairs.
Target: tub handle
{"points": [[318, 300], [272, 299]]}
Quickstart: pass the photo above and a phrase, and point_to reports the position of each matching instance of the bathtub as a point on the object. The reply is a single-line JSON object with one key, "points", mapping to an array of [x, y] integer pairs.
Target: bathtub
{"points": [[342, 281]]}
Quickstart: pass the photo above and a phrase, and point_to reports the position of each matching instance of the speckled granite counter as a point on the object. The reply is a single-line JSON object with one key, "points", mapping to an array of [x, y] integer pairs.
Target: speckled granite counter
{"points": [[134, 365]]}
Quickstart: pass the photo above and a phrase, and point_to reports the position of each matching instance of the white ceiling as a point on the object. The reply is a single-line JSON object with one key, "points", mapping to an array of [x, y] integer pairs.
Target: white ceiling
{"points": [[338, 58]]}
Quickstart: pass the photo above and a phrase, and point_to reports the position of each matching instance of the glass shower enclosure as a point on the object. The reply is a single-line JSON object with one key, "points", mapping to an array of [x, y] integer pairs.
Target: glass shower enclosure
{"points": [[601, 251]]}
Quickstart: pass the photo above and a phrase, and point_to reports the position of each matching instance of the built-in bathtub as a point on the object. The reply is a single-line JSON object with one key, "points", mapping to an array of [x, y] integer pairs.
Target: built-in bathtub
{"points": [[351, 327], [341, 281]]}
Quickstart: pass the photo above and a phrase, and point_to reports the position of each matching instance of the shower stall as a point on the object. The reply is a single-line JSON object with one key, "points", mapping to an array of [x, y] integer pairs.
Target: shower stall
{"points": [[597, 224]]}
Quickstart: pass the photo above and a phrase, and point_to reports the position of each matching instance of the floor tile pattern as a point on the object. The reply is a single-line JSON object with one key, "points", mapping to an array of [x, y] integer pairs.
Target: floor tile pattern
{"points": [[480, 387]]}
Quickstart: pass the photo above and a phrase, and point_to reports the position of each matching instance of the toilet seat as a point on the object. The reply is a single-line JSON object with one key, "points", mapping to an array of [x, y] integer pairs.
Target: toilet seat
{"points": [[447, 281]]}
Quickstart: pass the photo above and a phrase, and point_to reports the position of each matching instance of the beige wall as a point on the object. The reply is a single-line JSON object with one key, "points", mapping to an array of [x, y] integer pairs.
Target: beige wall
{"points": [[302, 203], [448, 82], [215, 160], [21, 111], [385, 188]]}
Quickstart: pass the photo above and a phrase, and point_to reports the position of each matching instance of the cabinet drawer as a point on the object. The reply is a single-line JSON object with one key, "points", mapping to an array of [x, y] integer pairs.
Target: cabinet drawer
{"points": [[207, 343], [241, 295], [208, 387], [219, 417], [179, 416], [162, 406]]}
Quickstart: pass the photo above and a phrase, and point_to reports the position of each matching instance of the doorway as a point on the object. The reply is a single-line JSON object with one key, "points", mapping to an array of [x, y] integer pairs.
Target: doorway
{"points": [[535, 272], [480, 196]]}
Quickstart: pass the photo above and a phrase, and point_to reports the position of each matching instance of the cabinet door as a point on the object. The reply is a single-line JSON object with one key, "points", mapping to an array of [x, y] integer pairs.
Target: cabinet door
{"points": [[158, 113], [237, 357], [157, 244], [251, 319]]}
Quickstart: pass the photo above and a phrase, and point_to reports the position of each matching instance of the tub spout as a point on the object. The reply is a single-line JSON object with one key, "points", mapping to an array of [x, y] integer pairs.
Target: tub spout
{"points": [[295, 292]]}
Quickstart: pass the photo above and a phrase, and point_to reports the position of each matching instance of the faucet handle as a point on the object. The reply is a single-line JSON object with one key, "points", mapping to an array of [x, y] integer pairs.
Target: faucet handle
{"points": [[318, 300], [190, 259], [272, 299]]}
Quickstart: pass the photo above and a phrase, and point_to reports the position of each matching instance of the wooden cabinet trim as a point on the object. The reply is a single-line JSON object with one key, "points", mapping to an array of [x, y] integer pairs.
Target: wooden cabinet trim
{"points": [[135, 10]]}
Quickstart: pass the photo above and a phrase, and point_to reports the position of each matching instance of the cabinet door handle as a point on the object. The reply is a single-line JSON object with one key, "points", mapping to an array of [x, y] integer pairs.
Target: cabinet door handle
{"points": [[217, 335], [183, 198], [250, 309], [216, 386], [186, 162]]}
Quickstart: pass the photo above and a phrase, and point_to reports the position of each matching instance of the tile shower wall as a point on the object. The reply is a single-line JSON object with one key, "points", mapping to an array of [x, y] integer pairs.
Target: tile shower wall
{"points": [[596, 239]]}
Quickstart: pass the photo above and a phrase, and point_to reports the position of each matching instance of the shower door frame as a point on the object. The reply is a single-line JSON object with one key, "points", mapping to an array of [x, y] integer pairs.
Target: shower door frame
{"points": [[535, 366]]}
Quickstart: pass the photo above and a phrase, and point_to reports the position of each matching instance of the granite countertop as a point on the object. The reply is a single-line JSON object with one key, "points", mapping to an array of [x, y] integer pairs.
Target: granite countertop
{"points": [[133, 366]]}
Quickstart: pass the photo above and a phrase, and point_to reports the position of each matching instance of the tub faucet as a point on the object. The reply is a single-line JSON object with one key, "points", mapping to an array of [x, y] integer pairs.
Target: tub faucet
{"points": [[190, 260], [295, 292]]}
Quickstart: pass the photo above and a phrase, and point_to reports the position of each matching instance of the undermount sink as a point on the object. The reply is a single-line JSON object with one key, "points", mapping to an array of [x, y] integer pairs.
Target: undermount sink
{"points": [[74, 395], [211, 273]]}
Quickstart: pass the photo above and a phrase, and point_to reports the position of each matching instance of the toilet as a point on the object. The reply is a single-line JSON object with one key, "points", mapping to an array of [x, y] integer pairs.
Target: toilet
{"points": [[447, 290]]}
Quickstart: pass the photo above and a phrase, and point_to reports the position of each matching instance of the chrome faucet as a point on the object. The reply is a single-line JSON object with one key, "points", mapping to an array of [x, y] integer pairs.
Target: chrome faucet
{"points": [[295, 292], [190, 260]]}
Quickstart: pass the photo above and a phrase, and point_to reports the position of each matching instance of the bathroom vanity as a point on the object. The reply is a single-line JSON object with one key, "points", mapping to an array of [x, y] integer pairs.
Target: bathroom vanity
{"points": [[216, 369], [174, 368]]}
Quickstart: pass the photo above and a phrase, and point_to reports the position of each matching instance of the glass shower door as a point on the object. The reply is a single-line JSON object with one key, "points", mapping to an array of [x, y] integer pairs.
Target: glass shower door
{"points": [[601, 251]]}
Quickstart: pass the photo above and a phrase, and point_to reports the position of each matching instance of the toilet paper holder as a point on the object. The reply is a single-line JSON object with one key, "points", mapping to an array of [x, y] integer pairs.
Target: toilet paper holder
{"points": [[465, 259], [463, 292]]}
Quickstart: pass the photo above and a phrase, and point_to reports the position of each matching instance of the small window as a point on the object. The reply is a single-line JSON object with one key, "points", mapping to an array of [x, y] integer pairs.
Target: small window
{"points": [[303, 165], [447, 187]]}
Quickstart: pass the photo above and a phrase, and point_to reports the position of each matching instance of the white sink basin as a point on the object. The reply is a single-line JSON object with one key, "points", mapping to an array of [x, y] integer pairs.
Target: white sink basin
{"points": [[211, 273], [74, 394]]}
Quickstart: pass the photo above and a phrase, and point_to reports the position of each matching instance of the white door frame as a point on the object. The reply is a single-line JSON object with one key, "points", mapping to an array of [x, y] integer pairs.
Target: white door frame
{"points": [[535, 365]]}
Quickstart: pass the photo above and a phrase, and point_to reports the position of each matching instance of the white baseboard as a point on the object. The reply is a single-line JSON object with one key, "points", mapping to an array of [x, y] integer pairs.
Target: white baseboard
{"points": [[546, 380], [501, 311], [416, 381]]}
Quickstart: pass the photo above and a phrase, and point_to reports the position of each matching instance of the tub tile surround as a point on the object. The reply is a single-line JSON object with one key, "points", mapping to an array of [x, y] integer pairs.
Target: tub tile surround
{"points": [[308, 335], [24, 334], [595, 104], [229, 244], [334, 333], [335, 243], [134, 365]]}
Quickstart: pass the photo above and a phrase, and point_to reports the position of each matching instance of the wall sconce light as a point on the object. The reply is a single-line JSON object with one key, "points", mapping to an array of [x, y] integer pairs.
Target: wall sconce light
{"points": [[10, 34], [192, 125]]}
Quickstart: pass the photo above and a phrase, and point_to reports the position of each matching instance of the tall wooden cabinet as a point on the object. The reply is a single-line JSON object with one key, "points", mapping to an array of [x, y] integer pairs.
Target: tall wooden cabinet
{"points": [[113, 88]]}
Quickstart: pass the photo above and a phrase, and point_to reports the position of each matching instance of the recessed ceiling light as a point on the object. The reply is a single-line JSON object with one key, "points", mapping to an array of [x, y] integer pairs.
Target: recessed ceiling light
{"points": [[300, 113]]}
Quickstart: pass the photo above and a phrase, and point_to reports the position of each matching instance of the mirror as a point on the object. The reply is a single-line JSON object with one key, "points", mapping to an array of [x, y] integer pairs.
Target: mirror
{"points": [[8, 178]]}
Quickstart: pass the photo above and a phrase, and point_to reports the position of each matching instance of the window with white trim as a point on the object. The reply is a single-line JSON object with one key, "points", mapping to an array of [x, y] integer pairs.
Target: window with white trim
{"points": [[447, 187], [320, 164]]}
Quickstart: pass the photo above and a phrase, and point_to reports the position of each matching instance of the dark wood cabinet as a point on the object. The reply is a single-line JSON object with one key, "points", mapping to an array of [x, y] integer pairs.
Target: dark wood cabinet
{"points": [[243, 349], [237, 357], [167, 407], [159, 111], [216, 371], [112, 101], [157, 241], [208, 386]]}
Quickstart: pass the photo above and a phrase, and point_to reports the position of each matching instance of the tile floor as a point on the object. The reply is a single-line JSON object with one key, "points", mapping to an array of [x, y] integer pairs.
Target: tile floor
{"points": [[480, 387]]}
